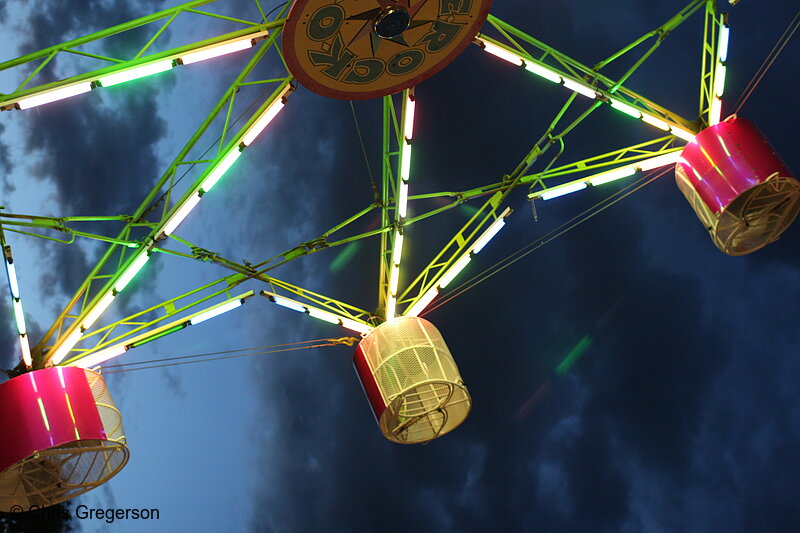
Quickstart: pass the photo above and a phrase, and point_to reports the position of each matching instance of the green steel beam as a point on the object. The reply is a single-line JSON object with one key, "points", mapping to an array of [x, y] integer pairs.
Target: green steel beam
{"points": [[88, 298]]}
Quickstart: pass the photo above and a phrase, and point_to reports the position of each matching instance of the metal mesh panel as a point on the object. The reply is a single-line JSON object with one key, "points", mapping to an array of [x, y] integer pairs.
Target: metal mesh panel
{"points": [[109, 414], [418, 379], [62, 472], [758, 216], [754, 219]]}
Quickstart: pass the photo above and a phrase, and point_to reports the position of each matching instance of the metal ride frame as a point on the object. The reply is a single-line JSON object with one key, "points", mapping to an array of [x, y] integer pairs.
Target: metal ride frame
{"points": [[73, 338]]}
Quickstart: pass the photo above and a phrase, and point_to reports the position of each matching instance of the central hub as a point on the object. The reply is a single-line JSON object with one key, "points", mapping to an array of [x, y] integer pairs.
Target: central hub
{"points": [[392, 22]]}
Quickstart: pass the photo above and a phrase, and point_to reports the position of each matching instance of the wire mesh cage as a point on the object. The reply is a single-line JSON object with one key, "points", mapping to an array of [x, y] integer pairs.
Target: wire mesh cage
{"points": [[738, 186], [61, 436], [411, 380]]}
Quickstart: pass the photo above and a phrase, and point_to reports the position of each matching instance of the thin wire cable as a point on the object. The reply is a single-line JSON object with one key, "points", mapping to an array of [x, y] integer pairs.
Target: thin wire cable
{"points": [[205, 358], [548, 237], [762, 70], [364, 151]]}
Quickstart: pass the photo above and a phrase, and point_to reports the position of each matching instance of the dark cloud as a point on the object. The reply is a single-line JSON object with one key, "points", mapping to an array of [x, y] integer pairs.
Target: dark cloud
{"points": [[679, 417]]}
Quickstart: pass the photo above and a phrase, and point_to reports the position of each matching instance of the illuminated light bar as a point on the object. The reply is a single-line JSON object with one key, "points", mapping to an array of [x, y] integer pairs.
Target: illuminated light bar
{"points": [[580, 88], [54, 95], [100, 357], [72, 339], [405, 162], [323, 315], [158, 335], [722, 46], [216, 311], [173, 223], [488, 235], [289, 304], [135, 73], [356, 326], [625, 108], [391, 307], [408, 119], [12, 280], [655, 121], [26, 351], [555, 192], [502, 53], [131, 272], [423, 302], [221, 169], [683, 134], [98, 310], [402, 199], [394, 278], [263, 121], [542, 72], [454, 271], [217, 51], [613, 175], [397, 249], [719, 79], [715, 114], [659, 161], [19, 315]]}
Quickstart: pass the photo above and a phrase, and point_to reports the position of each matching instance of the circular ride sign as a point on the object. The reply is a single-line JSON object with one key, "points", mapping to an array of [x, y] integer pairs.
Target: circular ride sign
{"points": [[360, 49]]}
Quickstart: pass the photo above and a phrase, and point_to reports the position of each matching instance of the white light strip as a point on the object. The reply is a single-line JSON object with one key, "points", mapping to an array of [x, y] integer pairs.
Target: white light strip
{"points": [[687, 136], [408, 119], [69, 343], [19, 315], [216, 311], [132, 270], [100, 357], [394, 278], [405, 162], [719, 79], [613, 175], [722, 46], [397, 247], [580, 88], [12, 279], [625, 108], [55, 95], [542, 72], [221, 169], [454, 271], [655, 121], [659, 161], [715, 114], [174, 221], [289, 304], [423, 302], [502, 53], [266, 117], [402, 199], [323, 315], [391, 307], [490, 232], [217, 51], [555, 192], [26, 351], [136, 73], [356, 326], [98, 310]]}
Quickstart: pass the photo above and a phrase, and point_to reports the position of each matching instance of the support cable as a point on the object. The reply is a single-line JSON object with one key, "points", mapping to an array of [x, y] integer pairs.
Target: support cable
{"points": [[762, 70]]}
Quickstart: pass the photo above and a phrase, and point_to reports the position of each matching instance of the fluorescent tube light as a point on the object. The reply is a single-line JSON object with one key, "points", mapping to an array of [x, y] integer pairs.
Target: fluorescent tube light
{"points": [[54, 95], [135, 73], [174, 221], [215, 311], [221, 169], [217, 51], [98, 310], [131, 272], [555, 192]]}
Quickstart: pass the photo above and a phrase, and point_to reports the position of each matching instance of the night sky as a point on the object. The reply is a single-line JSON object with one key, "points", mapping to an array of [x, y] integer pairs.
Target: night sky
{"points": [[680, 413]]}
